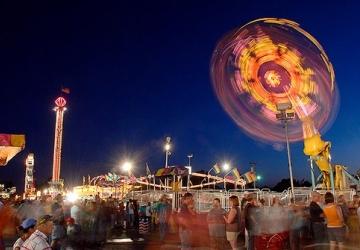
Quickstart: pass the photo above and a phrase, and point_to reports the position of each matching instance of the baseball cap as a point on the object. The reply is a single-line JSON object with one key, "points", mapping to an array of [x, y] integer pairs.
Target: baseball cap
{"points": [[45, 218], [27, 223]]}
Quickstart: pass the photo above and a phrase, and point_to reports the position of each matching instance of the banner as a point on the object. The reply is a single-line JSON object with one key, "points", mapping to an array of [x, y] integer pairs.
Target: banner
{"points": [[249, 177], [217, 169], [148, 172], [236, 174]]}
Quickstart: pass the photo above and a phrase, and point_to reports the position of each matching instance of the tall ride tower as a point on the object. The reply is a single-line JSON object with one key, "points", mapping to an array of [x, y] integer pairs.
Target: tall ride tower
{"points": [[60, 108], [29, 190]]}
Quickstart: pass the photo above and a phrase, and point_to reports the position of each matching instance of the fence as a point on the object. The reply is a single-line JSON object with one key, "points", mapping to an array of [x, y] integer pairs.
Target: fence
{"points": [[203, 199]]}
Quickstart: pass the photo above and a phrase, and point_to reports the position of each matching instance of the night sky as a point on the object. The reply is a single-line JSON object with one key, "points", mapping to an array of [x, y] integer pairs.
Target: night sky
{"points": [[138, 71]]}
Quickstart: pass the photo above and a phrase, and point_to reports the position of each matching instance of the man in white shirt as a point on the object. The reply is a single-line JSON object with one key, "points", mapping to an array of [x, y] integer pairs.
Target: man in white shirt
{"points": [[27, 227], [39, 239]]}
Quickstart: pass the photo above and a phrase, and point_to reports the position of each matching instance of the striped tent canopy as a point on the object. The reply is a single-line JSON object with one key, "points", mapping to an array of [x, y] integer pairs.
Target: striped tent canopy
{"points": [[10, 145], [170, 171]]}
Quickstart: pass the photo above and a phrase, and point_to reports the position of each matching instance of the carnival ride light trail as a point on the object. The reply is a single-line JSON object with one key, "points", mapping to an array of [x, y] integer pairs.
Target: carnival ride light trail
{"points": [[272, 61]]}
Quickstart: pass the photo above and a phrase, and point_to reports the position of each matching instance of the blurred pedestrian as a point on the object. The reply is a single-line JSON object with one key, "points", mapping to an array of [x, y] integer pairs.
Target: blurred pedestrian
{"points": [[296, 223], [73, 233], [39, 239], [75, 212], [185, 221], [163, 212], [216, 221], [233, 222], [250, 221], [130, 210], [148, 211], [354, 227], [344, 207], [317, 220], [335, 222]]}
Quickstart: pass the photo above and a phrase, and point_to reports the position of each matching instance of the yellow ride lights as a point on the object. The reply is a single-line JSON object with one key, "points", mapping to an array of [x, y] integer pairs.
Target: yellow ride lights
{"points": [[317, 149], [314, 146]]}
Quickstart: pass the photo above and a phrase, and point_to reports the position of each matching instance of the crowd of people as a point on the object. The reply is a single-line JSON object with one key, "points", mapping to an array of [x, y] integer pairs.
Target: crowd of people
{"points": [[80, 224], [248, 223], [322, 223]]}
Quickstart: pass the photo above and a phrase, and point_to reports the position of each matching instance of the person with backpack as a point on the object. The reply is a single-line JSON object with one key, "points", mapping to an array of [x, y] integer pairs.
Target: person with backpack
{"points": [[233, 222]]}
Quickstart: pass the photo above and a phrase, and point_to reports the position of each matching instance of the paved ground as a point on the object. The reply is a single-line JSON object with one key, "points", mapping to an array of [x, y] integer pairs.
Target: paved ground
{"points": [[131, 239]]}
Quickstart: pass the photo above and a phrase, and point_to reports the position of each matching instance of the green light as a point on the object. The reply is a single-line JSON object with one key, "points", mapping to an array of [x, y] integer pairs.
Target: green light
{"points": [[258, 177]]}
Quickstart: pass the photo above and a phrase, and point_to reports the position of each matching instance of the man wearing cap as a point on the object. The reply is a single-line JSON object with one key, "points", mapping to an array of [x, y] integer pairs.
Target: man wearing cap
{"points": [[38, 240], [27, 227]]}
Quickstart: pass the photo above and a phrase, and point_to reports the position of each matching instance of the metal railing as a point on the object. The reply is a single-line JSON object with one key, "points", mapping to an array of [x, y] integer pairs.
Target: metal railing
{"points": [[203, 199]]}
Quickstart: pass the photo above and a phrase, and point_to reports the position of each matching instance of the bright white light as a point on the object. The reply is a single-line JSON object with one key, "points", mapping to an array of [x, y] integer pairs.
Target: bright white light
{"points": [[71, 197], [127, 166], [226, 166], [46, 191], [167, 146]]}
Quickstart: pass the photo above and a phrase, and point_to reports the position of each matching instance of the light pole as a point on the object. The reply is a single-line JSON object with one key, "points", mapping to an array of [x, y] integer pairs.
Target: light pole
{"points": [[226, 167], [253, 169], [313, 183], [167, 148], [285, 115], [126, 167], [190, 156], [189, 172]]}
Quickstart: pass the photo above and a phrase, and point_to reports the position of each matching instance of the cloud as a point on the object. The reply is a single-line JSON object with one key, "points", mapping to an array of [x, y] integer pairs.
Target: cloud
{"points": [[278, 146]]}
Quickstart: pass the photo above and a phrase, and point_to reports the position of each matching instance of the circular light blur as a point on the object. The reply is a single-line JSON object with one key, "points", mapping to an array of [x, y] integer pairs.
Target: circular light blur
{"points": [[167, 147], [127, 166], [71, 197], [226, 166], [270, 61]]}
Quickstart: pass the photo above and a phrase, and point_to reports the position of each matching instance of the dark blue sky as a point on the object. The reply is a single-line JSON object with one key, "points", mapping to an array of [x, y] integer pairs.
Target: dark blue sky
{"points": [[139, 71]]}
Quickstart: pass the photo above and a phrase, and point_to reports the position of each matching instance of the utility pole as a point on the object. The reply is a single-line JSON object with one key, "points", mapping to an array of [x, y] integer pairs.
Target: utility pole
{"points": [[253, 170]]}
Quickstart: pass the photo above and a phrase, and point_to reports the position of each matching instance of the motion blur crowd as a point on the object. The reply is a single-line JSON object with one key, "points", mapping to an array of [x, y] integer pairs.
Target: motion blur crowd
{"points": [[320, 224], [249, 223]]}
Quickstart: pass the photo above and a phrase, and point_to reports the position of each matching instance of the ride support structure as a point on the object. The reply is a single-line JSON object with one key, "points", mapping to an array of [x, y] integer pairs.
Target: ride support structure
{"points": [[56, 183]]}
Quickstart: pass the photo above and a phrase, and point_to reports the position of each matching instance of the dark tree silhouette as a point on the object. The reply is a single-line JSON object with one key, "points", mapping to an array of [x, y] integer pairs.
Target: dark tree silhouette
{"points": [[285, 184]]}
